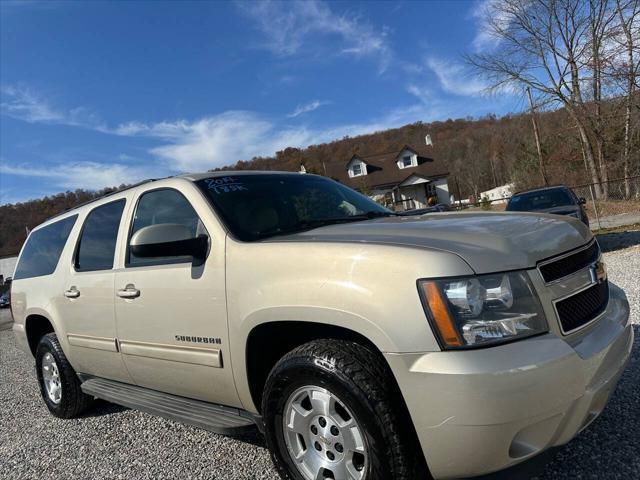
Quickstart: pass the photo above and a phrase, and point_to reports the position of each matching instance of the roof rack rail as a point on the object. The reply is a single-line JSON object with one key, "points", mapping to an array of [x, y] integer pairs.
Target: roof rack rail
{"points": [[117, 190]]}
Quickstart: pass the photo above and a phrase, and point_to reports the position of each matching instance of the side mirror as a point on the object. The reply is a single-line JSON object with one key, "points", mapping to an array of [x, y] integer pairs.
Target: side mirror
{"points": [[168, 240], [582, 201]]}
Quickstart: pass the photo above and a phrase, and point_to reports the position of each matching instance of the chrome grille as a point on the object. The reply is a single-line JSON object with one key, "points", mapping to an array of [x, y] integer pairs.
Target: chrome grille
{"points": [[553, 270]]}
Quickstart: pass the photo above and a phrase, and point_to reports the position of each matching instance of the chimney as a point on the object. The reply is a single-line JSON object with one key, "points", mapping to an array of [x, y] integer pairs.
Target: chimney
{"points": [[427, 140]]}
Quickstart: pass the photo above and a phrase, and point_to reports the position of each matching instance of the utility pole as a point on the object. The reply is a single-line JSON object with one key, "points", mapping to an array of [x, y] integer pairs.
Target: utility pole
{"points": [[493, 170], [458, 190], [537, 136]]}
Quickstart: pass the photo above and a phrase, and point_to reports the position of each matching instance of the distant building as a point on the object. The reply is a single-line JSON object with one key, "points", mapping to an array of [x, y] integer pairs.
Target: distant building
{"points": [[7, 266], [403, 179], [499, 194]]}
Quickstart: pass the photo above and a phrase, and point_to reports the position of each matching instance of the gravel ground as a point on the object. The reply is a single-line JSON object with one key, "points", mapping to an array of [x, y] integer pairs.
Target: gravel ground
{"points": [[114, 442], [110, 442], [610, 447]]}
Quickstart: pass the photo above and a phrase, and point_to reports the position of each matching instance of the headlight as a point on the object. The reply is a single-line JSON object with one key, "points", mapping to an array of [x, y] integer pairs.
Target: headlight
{"points": [[482, 310]]}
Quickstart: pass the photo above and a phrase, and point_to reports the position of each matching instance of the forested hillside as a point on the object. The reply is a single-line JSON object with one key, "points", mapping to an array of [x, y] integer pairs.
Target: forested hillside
{"points": [[479, 154], [15, 219]]}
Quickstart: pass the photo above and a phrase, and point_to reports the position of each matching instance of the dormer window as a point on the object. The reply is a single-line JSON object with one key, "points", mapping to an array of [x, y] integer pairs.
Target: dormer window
{"points": [[407, 159], [356, 168]]}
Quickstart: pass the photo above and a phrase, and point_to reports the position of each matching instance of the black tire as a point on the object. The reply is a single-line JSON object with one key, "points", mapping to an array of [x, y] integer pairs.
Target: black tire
{"points": [[363, 381], [73, 401]]}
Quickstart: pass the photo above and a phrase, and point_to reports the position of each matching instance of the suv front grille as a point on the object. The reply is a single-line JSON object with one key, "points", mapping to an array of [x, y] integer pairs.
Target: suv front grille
{"points": [[572, 263], [579, 309]]}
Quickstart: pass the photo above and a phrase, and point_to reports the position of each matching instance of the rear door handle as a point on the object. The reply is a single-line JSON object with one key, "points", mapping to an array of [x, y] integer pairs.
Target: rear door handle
{"points": [[130, 291], [73, 292]]}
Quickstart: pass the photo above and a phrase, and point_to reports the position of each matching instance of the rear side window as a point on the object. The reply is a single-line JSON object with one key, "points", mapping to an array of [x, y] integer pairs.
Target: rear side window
{"points": [[43, 248], [97, 244]]}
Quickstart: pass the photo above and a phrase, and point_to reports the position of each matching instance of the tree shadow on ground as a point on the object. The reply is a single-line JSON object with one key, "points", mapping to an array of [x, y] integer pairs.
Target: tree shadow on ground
{"points": [[617, 240]]}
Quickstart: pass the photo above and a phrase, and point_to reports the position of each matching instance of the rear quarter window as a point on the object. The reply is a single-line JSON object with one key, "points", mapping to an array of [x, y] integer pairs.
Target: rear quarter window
{"points": [[43, 248]]}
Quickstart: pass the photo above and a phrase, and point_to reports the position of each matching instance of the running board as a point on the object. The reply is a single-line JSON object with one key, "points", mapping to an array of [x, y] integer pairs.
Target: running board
{"points": [[216, 418]]}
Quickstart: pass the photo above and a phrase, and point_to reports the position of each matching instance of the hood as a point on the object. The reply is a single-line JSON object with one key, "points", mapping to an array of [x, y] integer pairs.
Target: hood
{"points": [[562, 210], [488, 242]]}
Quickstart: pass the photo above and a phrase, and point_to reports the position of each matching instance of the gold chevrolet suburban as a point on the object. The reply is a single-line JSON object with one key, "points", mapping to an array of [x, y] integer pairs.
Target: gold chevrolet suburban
{"points": [[365, 345]]}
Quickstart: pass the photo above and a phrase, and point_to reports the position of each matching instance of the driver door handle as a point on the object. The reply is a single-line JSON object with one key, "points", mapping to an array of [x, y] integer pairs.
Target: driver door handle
{"points": [[73, 292], [130, 291]]}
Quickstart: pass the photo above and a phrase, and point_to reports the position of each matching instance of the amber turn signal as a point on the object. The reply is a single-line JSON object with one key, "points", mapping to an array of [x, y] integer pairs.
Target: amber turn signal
{"points": [[440, 313]]}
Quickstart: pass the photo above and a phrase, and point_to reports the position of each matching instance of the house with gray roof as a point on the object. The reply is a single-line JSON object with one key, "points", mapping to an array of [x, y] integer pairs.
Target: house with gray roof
{"points": [[403, 179]]}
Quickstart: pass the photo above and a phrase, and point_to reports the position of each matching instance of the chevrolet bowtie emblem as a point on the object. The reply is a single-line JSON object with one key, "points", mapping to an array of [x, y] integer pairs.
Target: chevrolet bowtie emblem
{"points": [[598, 272]]}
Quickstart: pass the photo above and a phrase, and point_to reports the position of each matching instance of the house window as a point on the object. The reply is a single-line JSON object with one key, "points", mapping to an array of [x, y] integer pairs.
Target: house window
{"points": [[357, 169], [406, 161], [388, 199]]}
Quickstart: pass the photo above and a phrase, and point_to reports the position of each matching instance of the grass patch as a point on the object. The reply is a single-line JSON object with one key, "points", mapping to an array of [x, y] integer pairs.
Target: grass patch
{"points": [[624, 228]]}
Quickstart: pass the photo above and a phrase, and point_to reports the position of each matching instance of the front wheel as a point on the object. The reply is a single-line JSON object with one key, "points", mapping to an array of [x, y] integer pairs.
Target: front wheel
{"points": [[332, 411]]}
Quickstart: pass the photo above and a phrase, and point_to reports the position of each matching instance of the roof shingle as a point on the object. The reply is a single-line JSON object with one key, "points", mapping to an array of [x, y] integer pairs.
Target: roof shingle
{"points": [[383, 171]]}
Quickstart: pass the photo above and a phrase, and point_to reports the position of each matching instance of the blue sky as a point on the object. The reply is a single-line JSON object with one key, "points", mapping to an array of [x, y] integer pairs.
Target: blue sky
{"points": [[97, 94]]}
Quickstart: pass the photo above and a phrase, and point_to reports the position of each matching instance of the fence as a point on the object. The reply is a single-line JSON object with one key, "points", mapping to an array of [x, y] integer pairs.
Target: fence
{"points": [[613, 203], [610, 204]]}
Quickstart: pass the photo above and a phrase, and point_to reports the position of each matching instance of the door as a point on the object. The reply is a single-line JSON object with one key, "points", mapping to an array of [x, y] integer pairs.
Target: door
{"points": [[88, 309], [171, 311]]}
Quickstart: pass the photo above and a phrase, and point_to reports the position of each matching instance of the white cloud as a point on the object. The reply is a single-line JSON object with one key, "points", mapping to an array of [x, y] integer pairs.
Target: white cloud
{"points": [[454, 78], [424, 94], [306, 108], [223, 139], [488, 16], [395, 118], [290, 26], [215, 141], [88, 175], [202, 144], [25, 104], [209, 142]]}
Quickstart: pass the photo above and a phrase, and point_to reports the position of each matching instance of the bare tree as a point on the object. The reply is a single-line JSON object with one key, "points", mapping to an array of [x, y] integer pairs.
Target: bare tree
{"points": [[601, 17], [628, 20], [545, 45], [543, 173]]}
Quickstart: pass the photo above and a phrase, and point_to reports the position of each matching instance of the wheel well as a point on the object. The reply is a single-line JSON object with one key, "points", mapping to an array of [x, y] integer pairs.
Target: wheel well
{"points": [[269, 342], [36, 327]]}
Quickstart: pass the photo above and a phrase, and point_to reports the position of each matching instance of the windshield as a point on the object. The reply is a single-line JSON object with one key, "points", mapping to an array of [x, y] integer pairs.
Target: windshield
{"points": [[259, 206], [541, 200]]}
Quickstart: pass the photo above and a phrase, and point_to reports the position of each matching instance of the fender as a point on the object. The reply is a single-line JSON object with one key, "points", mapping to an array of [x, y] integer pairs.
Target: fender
{"points": [[312, 315], [20, 329]]}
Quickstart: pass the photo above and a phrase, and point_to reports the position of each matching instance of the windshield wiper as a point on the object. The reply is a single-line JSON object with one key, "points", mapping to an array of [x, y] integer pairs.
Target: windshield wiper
{"points": [[374, 214], [310, 224]]}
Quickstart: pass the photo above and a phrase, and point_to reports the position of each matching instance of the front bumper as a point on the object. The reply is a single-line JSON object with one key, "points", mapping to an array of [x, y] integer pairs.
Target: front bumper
{"points": [[480, 411]]}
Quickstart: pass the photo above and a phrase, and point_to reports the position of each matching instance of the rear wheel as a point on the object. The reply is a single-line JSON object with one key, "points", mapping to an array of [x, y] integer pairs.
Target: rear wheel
{"points": [[332, 411], [59, 384]]}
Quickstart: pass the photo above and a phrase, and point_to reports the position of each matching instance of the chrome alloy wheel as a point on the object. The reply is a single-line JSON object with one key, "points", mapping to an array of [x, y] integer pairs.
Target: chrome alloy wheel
{"points": [[323, 438], [51, 378]]}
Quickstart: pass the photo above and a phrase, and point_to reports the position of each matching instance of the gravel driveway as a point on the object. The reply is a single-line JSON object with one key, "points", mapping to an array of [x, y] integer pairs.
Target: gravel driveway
{"points": [[114, 442]]}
